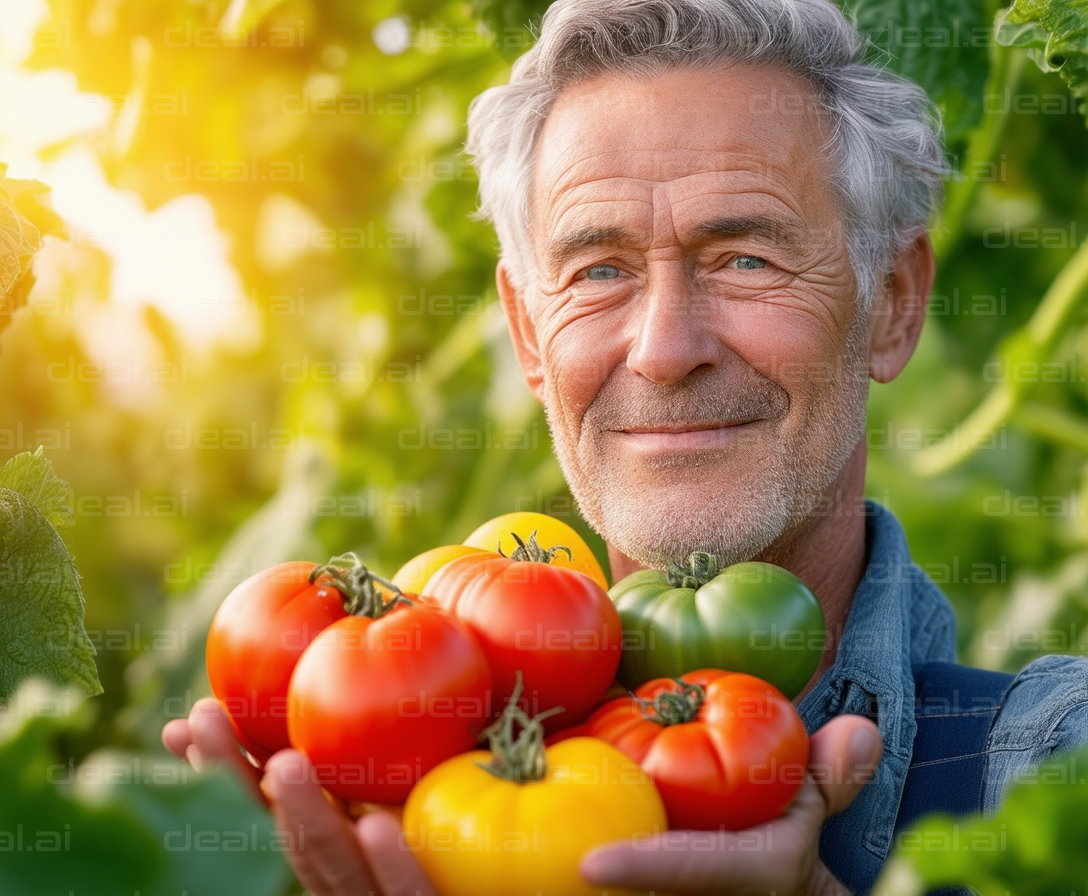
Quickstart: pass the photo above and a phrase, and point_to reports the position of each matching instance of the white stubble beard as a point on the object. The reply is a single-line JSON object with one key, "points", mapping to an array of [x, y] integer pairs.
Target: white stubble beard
{"points": [[777, 490]]}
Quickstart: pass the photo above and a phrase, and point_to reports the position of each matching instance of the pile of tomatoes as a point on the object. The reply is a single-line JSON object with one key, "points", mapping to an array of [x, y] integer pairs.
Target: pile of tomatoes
{"points": [[389, 687]]}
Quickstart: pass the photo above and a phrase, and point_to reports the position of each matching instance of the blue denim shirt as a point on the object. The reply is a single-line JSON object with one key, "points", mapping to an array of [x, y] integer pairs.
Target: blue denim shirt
{"points": [[900, 618]]}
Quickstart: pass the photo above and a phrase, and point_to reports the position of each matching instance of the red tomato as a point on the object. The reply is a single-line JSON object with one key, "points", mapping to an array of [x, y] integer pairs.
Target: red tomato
{"points": [[255, 639], [376, 703], [556, 625], [737, 762]]}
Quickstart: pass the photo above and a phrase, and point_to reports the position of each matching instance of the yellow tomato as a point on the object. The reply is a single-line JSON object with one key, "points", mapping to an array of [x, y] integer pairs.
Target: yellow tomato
{"points": [[549, 533], [479, 835], [411, 577]]}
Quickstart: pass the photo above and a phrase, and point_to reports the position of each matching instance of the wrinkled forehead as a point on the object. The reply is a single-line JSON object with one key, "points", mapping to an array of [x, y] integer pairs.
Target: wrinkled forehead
{"points": [[740, 129]]}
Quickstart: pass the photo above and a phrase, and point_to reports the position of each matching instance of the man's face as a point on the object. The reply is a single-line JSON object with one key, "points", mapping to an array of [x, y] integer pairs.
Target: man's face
{"points": [[703, 354]]}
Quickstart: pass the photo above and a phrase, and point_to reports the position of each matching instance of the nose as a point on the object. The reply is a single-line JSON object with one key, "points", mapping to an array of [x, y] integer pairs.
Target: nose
{"points": [[671, 327]]}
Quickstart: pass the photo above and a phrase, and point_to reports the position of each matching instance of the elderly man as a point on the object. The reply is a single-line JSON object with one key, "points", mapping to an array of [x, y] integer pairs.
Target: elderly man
{"points": [[712, 216]]}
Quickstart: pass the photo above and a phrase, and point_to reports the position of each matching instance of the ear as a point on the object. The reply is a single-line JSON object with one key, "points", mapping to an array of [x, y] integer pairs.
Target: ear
{"points": [[522, 332], [900, 310]]}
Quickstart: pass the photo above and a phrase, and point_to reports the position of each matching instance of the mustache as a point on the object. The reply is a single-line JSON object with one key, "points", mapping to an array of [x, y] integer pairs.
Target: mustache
{"points": [[698, 401]]}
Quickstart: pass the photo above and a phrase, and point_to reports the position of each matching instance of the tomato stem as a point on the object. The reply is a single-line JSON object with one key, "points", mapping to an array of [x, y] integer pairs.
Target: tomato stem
{"points": [[357, 584], [700, 569], [530, 550], [522, 759], [672, 707]]}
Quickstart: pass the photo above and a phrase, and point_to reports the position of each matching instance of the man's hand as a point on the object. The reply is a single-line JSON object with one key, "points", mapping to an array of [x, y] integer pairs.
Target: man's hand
{"points": [[779, 857], [336, 857]]}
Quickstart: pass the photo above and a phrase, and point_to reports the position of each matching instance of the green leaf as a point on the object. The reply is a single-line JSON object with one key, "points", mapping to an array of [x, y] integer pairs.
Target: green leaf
{"points": [[32, 476], [1055, 35], [940, 46], [19, 240], [24, 219], [41, 605]]}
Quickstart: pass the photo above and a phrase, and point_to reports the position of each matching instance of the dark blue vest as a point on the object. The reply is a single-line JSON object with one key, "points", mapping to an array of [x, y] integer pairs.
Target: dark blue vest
{"points": [[955, 707]]}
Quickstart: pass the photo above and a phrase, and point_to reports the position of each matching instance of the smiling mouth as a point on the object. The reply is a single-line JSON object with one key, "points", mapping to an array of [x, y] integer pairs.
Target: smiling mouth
{"points": [[677, 428], [678, 437]]}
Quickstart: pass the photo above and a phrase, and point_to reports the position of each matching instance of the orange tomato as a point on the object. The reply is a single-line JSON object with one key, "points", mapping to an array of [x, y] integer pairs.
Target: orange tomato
{"points": [[496, 534], [411, 577]]}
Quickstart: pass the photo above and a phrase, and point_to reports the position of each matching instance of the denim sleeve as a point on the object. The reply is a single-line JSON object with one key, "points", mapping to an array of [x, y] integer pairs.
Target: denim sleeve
{"points": [[1045, 713]]}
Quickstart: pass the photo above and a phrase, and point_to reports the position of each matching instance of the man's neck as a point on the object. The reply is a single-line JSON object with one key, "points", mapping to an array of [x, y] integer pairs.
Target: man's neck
{"points": [[827, 553]]}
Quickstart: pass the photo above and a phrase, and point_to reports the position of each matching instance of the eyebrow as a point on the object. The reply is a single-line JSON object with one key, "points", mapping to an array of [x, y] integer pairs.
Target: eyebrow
{"points": [[774, 231], [584, 238], [769, 229]]}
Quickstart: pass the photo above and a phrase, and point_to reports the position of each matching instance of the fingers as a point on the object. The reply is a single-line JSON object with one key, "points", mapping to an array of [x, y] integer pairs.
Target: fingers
{"points": [[702, 862], [211, 732], [394, 866], [214, 742], [176, 737], [328, 860], [843, 756]]}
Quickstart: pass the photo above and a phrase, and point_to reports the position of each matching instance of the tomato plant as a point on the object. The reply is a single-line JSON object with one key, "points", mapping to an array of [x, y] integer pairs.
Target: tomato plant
{"points": [[556, 625], [503, 532], [517, 820], [750, 617], [256, 638], [386, 693], [725, 749]]}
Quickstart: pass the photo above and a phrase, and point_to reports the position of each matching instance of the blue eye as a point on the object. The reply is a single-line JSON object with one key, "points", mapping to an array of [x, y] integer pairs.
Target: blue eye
{"points": [[749, 263], [602, 272]]}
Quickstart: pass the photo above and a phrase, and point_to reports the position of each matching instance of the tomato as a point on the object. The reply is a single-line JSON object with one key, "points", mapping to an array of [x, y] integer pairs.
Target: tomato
{"points": [[385, 694], [725, 749], [413, 575], [520, 825], [498, 535], [556, 625], [255, 640], [750, 617]]}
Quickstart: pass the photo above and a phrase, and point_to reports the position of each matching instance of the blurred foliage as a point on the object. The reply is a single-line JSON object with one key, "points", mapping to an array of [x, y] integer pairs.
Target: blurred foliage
{"points": [[122, 822], [366, 397]]}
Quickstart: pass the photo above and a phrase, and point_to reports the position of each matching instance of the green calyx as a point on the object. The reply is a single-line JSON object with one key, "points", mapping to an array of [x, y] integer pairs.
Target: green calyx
{"points": [[674, 707], [530, 550], [358, 585], [519, 759], [700, 569]]}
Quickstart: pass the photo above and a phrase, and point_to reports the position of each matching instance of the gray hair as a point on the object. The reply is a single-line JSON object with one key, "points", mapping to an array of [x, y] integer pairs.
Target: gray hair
{"points": [[886, 133]]}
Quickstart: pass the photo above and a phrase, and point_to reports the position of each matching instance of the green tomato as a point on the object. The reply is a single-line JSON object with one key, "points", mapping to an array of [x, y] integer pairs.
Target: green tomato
{"points": [[750, 617]]}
